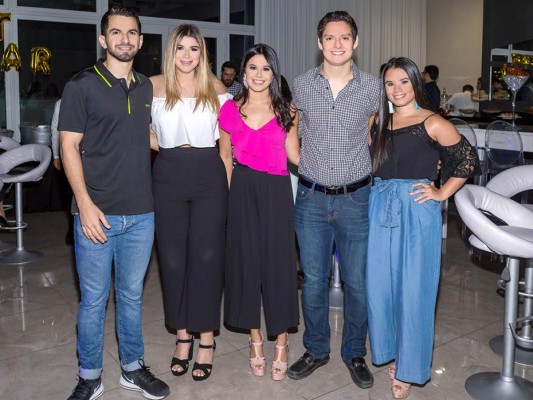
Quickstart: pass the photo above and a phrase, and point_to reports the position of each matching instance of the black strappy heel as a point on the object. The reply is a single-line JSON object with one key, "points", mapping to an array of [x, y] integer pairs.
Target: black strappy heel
{"points": [[184, 364], [206, 368]]}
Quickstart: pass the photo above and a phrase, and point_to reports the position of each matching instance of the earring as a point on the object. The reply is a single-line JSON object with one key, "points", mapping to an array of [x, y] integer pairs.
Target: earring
{"points": [[417, 107], [391, 107], [244, 81]]}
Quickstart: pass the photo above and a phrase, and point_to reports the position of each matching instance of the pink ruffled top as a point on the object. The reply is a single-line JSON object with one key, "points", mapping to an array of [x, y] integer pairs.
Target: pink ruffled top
{"points": [[262, 149]]}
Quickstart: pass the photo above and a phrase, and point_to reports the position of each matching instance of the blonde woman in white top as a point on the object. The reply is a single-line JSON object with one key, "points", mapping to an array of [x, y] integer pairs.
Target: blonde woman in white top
{"points": [[190, 184]]}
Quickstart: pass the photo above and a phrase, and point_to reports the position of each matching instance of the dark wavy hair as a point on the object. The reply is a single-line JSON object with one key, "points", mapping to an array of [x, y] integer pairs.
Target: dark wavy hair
{"points": [[118, 10], [279, 96], [380, 133]]}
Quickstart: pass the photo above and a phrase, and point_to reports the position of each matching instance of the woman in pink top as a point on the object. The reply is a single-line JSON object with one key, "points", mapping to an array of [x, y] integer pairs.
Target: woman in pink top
{"points": [[260, 244]]}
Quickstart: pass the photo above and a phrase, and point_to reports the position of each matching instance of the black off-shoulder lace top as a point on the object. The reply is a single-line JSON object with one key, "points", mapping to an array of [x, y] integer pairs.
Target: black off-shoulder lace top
{"points": [[413, 154]]}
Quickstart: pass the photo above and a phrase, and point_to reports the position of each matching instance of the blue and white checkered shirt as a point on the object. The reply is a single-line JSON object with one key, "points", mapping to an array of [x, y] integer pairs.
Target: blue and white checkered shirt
{"points": [[234, 88], [334, 132]]}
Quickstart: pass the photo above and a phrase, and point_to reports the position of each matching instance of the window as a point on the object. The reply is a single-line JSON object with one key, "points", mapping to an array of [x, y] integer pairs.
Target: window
{"points": [[198, 10], [238, 45], [73, 49], [76, 5], [148, 59], [242, 12]]}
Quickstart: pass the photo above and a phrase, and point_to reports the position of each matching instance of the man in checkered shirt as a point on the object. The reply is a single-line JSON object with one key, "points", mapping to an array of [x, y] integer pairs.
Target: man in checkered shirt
{"points": [[335, 101]]}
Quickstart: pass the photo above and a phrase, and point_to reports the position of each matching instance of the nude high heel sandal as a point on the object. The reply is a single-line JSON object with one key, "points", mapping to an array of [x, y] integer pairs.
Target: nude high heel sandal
{"points": [[392, 370], [279, 368], [257, 364], [400, 390]]}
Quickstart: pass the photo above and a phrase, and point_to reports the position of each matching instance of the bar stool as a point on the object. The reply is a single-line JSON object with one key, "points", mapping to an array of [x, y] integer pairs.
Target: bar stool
{"points": [[336, 294], [6, 144], [14, 168], [509, 183], [514, 241]]}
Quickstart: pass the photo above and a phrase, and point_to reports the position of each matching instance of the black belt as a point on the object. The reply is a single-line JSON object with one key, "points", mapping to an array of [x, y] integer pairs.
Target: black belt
{"points": [[352, 187]]}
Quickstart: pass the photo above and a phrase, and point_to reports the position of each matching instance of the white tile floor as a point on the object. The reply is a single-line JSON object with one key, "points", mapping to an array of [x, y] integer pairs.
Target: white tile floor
{"points": [[38, 334]]}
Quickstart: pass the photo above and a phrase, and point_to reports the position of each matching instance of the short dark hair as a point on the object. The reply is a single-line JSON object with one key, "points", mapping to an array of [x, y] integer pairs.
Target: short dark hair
{"points": [[228, 64], [470, 88], [432, 71], [336, 16], [118, 10]]}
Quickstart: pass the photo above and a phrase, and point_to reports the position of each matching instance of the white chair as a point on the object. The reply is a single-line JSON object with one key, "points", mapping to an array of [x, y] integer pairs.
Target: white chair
{"points": [[15, 168], [513, 181], [510, 183], [514, 241], [6, 143], [503, 149]]}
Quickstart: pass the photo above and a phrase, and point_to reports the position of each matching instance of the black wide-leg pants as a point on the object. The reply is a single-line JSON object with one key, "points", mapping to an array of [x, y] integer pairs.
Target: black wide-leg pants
{"points": [[190, 191]]}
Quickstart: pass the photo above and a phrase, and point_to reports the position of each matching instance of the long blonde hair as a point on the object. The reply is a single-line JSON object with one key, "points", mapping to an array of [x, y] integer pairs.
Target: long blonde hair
{"points": [[205, 92]]}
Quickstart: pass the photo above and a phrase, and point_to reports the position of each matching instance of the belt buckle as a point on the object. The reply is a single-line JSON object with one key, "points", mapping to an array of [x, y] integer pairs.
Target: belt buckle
{"points": [[336, 190]]}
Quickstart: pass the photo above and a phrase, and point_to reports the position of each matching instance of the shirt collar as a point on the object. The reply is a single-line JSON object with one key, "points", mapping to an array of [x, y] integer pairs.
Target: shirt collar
{"points": [[110, 79], [356, 72]]}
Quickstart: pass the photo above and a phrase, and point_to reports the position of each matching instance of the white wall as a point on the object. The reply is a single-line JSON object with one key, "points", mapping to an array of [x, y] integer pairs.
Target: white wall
{"points": [[387, 28], [454, 41]]}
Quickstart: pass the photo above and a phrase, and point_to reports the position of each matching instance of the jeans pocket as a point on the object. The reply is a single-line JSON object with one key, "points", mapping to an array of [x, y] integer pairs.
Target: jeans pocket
{"points": [[360, 196], [302, 192]]}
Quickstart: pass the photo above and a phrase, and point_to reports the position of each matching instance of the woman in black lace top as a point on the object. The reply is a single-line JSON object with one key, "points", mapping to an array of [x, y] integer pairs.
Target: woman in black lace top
{"points": [[403, 266]]}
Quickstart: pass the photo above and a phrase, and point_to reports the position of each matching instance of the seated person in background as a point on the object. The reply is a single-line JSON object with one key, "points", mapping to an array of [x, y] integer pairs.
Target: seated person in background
{"points": [[498, 92], [430, 76], [480, 94], [461, 101], [228, 74], [526, 92]]}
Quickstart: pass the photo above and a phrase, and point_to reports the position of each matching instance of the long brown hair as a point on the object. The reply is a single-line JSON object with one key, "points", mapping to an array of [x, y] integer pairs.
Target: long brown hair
{"points": [[380, 135], [205, 92], [280, 96]]}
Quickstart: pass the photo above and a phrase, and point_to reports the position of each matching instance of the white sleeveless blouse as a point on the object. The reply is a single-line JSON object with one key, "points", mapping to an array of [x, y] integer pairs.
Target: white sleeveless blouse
{"points": [[181, 126]]}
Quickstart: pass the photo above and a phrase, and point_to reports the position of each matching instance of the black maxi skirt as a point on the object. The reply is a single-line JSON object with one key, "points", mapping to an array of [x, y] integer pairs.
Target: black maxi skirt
{"points": [[190, 193], [260, 252]]}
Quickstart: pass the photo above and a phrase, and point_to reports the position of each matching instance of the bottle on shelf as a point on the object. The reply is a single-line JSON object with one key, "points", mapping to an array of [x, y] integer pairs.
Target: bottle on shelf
{"points": [[443, 99], [444, 96]]}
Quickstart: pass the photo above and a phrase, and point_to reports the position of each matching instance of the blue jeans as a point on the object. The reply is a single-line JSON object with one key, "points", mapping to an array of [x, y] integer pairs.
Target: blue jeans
{"points": [[320, 221], [403, 277], [129, 246]]}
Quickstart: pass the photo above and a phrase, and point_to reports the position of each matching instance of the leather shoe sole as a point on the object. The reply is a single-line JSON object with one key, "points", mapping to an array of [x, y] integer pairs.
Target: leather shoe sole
{"points": [[307, 369], [360, 373]]}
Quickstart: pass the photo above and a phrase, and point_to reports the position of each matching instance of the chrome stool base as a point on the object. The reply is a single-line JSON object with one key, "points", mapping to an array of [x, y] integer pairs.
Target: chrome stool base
{"points": [[492, 386], [21, 257], [6, 246], [336, 298], [521, 356], [336, 294]]}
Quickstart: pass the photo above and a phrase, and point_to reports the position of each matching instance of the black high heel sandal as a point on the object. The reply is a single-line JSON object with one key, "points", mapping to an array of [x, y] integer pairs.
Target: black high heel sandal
{"points": [[184, 364], [206, 368]]}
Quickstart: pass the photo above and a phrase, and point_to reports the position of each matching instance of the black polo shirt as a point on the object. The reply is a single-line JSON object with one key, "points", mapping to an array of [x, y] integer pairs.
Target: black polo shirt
{"points": [[115, 149]]}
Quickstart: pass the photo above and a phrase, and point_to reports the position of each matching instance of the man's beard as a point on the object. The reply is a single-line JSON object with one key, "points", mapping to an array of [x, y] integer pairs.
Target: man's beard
{"points": [[125, 57]]}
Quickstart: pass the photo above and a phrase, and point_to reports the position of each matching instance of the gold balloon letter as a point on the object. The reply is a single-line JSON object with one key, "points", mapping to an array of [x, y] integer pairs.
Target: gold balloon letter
{"points": [[11, 58], [39, 60], [3, 17]]}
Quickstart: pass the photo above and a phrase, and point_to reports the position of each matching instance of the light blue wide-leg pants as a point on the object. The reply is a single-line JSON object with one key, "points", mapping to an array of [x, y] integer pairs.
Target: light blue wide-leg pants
{"points": [[402, 276]]}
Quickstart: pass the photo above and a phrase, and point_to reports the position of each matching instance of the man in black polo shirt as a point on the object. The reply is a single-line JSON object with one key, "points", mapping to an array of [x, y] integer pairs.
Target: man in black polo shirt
{"points": [[105, 145]]}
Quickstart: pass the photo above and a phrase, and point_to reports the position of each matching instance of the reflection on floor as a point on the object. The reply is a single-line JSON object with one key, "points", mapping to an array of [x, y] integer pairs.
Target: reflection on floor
{"points": [[38, 333]]}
